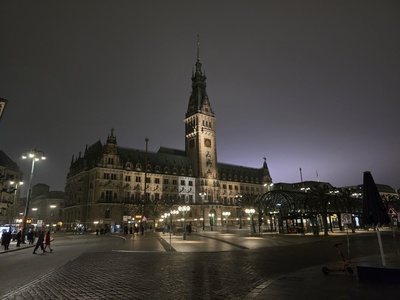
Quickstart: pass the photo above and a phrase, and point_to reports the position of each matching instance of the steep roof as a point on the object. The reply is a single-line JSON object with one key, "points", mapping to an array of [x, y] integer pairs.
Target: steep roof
{"points": [[7, 162]]}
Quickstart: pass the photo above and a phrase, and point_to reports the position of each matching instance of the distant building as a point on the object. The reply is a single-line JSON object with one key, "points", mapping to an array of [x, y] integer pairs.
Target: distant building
{"points": [[46, 207], [109, 183], [10, 180], [387, 193]]}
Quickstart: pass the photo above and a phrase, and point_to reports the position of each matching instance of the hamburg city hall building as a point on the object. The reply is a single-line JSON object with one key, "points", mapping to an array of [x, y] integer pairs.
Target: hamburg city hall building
{"points": [[112, 187]]}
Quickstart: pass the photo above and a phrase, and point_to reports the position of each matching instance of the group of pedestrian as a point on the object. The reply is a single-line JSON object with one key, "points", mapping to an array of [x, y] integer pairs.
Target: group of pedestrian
{"points": [[43, 242]]}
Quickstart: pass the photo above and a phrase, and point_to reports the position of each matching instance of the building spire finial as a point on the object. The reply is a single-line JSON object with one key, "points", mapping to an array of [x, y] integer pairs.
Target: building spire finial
{"points": [[198, 46]]}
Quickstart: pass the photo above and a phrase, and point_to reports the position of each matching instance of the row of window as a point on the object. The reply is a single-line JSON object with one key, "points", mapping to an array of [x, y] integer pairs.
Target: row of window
{"points": [[157, 180], [242, 188], [110, 196], [138, 179]]}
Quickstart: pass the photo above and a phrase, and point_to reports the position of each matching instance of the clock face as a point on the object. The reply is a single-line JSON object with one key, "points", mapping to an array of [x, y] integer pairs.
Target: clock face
{"points": [[207, 143], [191, 143]]}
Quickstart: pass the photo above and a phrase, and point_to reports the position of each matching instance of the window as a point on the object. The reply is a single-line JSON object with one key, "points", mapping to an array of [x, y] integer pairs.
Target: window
{"points": [[190, 183], [107, 213], [157, 196], [108, 196], [236, 188], [106, 175], [128, 178], [174, 182], [224, 186], [166, 181], [110, 161], [148, 180], [183, 182], [157, 180], [230, 186], [138, 179], [113, 176]]}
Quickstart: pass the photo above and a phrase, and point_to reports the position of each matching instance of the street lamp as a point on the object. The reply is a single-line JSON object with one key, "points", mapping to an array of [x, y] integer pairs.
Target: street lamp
{"points": [[34, 155], [145, 185], [238, 202], [95, 226], [15, 183], [226, 214], [202, 195], [173, 213], [184, 210], [250, 211], [52, 207], [211, 215]]}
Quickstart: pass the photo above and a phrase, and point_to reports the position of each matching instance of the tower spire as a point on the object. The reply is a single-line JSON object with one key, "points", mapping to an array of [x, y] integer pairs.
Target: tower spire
{"points": [[198, 47]]}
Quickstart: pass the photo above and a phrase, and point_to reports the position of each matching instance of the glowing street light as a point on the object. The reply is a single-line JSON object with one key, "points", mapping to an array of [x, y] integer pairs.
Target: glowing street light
{"points": [[173, 213], [211, 215], [238, 202], [184, 210], [34, 155], [251, 212], [226, 214], [202, 195]]}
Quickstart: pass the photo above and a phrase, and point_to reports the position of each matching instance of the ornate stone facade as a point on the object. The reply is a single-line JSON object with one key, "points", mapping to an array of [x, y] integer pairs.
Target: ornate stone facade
{"points": [[109, 183]]}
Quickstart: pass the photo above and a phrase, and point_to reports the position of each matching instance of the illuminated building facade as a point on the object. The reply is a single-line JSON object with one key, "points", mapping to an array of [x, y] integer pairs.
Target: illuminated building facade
{"points": [[108, 184]]}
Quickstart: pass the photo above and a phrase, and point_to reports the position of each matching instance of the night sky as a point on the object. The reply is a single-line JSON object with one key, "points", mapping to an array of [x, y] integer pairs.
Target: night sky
{"points": [[307, 84]]}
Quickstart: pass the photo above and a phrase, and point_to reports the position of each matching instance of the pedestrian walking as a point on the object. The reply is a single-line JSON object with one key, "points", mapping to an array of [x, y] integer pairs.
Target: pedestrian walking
{"points": [[18, 238], [47, 241], [190, 228], [6, 239], [39, 242]]}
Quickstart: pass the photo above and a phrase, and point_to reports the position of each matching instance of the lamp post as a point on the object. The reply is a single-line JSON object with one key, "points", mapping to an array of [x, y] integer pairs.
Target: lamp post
{"points": [[184, 210], [34, 155], [36, 216], [173, 213], [202, 195], [95, 226], [250, 211], [145, 184], [211, 215], [238, 202], [52, 207], [15, 183], [226, 214]]}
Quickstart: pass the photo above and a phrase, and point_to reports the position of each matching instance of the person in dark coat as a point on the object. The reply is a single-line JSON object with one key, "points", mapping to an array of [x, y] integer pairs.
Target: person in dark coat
{"points": [[39, 242], [18, 237], [6, 239], [30, 237]]}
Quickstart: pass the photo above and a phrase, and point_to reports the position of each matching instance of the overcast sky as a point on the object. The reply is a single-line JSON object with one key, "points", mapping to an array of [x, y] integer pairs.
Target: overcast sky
{"points": [[307, 84]]}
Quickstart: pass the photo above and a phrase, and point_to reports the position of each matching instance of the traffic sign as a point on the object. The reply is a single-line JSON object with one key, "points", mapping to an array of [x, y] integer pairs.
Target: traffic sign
{"points": [[346, 219]]}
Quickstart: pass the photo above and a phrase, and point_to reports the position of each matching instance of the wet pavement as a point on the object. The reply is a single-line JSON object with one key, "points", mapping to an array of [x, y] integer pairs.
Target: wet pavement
{"points": [[153, 251]]}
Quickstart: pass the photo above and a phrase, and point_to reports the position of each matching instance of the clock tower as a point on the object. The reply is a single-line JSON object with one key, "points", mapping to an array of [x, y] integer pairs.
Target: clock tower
{"points": [[200, 139]]}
